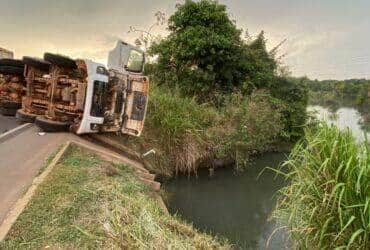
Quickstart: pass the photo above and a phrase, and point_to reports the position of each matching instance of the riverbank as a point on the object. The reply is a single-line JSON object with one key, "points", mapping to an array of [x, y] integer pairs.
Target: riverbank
{"points": [[89, 203], [183, 135]]}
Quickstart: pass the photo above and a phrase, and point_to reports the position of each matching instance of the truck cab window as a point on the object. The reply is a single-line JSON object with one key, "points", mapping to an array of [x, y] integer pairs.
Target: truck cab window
{"points": [[135, 61]]}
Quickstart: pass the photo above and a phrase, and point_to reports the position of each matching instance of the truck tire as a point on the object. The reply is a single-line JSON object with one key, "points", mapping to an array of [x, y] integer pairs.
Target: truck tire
{"points": [[61, 61], [12, 62], [11, 70], [24, 117], [37, 63], [10, 105], [8, 111], [51, 126]]}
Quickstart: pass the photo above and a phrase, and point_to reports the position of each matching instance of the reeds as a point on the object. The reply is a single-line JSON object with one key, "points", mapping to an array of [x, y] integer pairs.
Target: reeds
{"points": [[327, 203]]}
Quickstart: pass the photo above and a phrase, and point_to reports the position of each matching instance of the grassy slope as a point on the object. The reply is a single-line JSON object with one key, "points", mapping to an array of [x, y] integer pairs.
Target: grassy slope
{"points": [[186, 135], [88, 203]]}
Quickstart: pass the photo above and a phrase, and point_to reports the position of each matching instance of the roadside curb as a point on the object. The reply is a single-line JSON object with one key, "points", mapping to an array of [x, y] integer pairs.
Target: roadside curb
{"points": [[110, 143], [141, 172], [14, 132], [20, 205]]}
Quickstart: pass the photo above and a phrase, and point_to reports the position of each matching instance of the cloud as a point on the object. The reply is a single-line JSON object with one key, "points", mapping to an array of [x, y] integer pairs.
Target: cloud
{"points": [[325, 38]]}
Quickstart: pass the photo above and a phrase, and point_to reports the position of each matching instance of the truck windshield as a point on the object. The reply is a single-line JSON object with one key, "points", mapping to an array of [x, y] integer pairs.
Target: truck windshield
{"points": [[135, 61]]}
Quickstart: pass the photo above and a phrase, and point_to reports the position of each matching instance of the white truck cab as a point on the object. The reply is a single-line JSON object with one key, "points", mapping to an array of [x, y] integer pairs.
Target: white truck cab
{"points": [[127, 59], [96, 80], [116, 99]]}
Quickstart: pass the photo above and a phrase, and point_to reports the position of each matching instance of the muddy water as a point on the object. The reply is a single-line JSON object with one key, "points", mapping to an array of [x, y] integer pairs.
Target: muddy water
{"points": [[237, 207], [233, 206]]}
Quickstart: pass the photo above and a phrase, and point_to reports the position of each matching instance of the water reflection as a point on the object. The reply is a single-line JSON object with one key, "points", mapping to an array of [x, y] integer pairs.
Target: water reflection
{"points": [[236, 207], [343, 118]]}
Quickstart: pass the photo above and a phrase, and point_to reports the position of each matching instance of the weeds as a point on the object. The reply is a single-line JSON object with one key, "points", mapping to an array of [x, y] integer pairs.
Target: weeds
{"points": [[327, 204], [187, 135]]}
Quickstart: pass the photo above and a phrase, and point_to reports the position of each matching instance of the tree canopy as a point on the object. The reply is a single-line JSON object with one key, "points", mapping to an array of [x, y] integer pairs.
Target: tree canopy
{"points": [[204, 53]]}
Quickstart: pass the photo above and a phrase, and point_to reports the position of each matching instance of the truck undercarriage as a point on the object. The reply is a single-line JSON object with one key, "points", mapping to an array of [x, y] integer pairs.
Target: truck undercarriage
{"points": [[83, 96], [12, 86]]}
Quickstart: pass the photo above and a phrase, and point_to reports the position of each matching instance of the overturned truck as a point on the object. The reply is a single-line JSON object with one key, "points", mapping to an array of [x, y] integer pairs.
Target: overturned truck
{"points": [[12, 86], [83, 96]]}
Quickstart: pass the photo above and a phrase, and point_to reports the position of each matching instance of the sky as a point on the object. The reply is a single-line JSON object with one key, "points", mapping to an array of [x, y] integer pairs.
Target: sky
{"points": [[326, 39]]}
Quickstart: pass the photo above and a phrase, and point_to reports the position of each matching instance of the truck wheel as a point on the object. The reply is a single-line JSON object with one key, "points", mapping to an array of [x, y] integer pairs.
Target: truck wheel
{"points": [[51, 126], [11, 70], [24, 117], [61, 61], [11, 62], [37, 63], [10, 105], [8, 111]]}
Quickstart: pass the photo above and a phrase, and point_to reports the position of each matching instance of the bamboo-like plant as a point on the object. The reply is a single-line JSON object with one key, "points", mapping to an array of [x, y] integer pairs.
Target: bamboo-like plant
{"points": [[327, 203]]}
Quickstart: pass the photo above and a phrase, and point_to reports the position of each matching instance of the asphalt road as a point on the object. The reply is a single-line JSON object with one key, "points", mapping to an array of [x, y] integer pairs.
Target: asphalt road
{"points": [[7, 123], [21, 157]]}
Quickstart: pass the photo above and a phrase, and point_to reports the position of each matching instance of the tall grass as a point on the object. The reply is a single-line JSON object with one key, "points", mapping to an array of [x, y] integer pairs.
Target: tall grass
{"points": [[327, 204], [176, 127], [187, 135]]}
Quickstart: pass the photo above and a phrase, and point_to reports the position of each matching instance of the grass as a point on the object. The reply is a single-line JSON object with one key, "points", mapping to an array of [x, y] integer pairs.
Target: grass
{"points": [[187, 135], [86, 203], [327, 204]]}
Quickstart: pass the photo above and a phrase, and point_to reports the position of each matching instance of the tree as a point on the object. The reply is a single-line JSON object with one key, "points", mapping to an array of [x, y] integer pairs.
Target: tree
{"points": [[146, 37], [204, 53], [260, 64], [294, 94]]}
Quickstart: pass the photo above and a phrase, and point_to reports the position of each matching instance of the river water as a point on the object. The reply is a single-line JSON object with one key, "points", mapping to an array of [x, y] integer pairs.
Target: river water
{"points": [[343, 118], [238, 206]]}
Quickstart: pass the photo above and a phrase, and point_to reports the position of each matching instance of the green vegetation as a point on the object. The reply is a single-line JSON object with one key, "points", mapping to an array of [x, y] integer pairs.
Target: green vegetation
{"points": [[293, 93], [333, 92], [215, 95], [205, 56], [353, 93], [86, 203], [327, 204], [187, 135]]}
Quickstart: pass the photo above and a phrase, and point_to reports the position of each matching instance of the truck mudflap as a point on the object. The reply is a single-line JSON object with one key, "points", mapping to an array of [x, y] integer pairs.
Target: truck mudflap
{"points": [[137, 94]]}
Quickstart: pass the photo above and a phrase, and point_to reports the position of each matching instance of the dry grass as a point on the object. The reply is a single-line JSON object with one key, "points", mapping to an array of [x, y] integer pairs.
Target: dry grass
{"points": [[187, 135]]}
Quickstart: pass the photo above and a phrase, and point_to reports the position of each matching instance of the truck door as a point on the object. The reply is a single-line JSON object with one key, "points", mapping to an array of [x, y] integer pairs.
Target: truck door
{"points": [[136, 102]]}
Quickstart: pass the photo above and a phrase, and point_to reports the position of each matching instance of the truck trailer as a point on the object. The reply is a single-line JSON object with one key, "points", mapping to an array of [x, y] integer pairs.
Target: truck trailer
{"points": [[82, 96]]}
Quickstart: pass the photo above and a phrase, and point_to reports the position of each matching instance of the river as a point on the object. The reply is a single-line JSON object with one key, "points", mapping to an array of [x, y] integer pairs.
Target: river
{"points": [[238, 206]]}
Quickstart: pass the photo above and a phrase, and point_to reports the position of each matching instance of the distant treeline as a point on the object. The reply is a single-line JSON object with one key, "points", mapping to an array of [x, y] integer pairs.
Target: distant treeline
{"points": [[356, 89]]}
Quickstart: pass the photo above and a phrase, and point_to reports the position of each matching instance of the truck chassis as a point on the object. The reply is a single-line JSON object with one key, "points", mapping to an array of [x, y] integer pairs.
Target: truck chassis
{"points": [[12, 86]]}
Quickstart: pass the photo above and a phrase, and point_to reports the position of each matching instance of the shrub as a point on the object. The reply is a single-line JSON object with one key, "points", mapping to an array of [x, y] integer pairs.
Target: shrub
{"points": [[249, 126], [294, 95], [327, 204], [204, 54]]}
